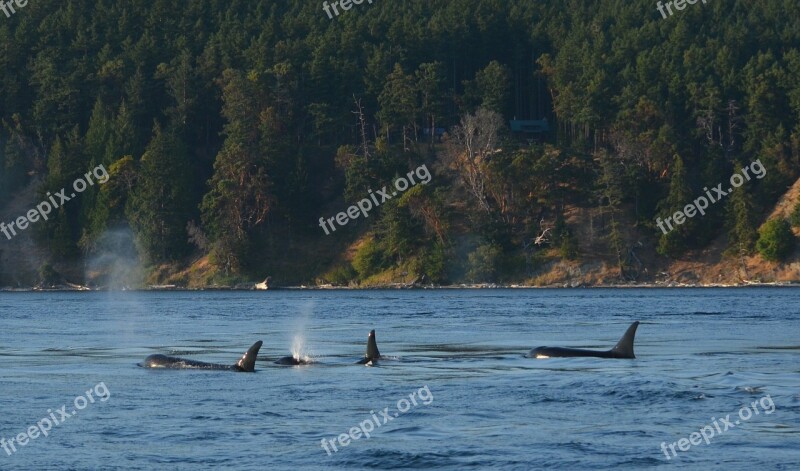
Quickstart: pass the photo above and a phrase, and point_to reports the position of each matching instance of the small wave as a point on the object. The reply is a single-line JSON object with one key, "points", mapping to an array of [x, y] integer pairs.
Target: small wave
{"points": [[386, 459], [787, 347]]}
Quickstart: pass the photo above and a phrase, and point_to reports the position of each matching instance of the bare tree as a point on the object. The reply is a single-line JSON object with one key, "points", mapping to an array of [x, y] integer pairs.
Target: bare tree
{"points": [[733, 125], [470, 146], [362, 125]]}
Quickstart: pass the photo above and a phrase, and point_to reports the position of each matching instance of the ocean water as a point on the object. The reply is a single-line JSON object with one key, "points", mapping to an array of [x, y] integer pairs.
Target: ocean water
{"points": [[456, 391]]}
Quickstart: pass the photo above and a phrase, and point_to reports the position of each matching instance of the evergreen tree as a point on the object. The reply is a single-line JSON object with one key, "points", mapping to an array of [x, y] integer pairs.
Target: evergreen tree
{"points": [[776, 240], [398, 105], [677, 240], [742, 222], [493, 87], [610, 192], [160, 206], [84, 83], [430, 83], [65, 164], [240, 196]]}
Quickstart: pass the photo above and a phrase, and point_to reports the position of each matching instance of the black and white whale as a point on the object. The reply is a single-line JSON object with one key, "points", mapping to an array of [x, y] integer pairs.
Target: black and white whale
{"points": [[292, 361], [246, 364], [623, 349], [372, 355]]}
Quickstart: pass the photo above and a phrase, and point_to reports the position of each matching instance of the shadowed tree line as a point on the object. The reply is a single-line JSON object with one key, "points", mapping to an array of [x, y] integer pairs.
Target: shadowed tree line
{"points": [[230, 127]]}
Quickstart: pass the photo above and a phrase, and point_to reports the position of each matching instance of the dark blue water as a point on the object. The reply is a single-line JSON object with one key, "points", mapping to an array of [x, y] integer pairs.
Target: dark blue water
{"points": [[701, 355]]}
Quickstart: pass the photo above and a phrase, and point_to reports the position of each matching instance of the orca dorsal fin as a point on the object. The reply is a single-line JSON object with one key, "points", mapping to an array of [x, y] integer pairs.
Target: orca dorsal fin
{"points": [[624, 348], [372, 347], [248, 361]]}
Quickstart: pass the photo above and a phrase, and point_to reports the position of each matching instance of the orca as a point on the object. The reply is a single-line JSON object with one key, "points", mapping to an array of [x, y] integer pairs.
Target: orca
{"points": [[292, 361], [246, 364], [623, 349], [372, 355]]}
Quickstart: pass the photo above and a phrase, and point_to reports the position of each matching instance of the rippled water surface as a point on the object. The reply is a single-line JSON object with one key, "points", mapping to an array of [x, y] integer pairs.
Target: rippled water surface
{"points": [[702, 354]]}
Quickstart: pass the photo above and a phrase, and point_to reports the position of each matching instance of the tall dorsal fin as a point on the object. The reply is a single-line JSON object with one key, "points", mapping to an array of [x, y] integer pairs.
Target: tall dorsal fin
{"points": [[372, 346], [248, 361], [624, 348]]}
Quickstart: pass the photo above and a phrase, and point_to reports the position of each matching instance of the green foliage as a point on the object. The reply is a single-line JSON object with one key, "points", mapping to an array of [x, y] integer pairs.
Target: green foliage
{"points": [[399, 232], [108, 209], [364, 174], [48, 276], [568, 248], [340, 275], [483, 263], [491, 88], [369, 259], [159, 206], [675, 242], [64, 164], [241, 195], [430, 78], [741, 222], [433, 264], [398, 102], [776, 240], [794, 218], [16, 151], [254, 100], [611, 194], [564, 239]]}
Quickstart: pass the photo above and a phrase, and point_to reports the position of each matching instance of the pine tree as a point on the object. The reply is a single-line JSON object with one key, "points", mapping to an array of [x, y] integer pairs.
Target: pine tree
{"points": [[240, 197], [160, 206], [742, 222], [610, 192], [430, 84], [65, 164], [494, 86], [398, 104], [676, 241]]}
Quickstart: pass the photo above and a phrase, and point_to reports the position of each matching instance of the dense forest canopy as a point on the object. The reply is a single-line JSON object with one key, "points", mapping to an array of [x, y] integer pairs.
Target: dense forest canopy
{"points": [[230, 127]]}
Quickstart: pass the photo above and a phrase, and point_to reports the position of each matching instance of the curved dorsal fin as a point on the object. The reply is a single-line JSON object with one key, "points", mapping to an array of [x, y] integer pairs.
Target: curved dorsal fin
{"points": [[248, 361], [624, 348], [372, 346]]}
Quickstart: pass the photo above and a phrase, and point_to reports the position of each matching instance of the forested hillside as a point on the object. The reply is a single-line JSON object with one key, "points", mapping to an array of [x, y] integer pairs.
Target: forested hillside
{"points": [[230, 128]]}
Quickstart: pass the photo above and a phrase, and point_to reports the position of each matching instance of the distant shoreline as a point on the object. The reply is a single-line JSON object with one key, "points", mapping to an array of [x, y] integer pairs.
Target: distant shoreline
{"points": [[786, 284]]}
